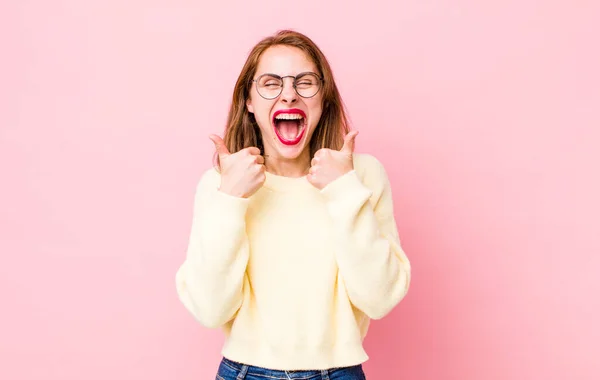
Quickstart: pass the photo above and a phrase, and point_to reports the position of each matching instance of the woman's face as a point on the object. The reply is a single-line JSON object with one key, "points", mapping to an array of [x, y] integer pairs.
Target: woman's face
{"points": [[287, 121]]}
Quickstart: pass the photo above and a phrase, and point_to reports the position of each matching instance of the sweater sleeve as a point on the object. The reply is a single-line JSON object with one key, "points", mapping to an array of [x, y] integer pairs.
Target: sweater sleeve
{"points": [[210, 281], [371, 261]]}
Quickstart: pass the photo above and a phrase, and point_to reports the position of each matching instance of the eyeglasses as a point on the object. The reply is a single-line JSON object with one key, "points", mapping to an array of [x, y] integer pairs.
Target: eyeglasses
{"points": [[270, 86]]}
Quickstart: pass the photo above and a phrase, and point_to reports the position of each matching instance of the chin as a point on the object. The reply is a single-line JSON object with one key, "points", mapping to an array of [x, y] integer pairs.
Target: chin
{"points": [[290, 153], [285, 150]]}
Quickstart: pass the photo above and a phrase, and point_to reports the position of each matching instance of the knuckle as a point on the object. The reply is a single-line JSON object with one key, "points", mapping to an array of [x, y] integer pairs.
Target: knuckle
{"points": [[323, 153], [248, 151]]}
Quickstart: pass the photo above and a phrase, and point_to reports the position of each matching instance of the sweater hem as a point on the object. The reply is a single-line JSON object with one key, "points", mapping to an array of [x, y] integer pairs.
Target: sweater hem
{"points": [[305, 359]]}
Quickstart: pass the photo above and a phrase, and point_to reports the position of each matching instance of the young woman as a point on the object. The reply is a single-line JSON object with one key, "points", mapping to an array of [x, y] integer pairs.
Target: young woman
{"points": [[293, 246]]}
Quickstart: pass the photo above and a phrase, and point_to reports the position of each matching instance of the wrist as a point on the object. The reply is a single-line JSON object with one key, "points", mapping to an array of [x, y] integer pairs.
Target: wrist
{"points": [[231, 193]]}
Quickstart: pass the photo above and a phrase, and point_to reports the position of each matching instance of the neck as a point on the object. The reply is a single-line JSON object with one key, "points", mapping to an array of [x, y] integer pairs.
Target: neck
{"points": [[297, 167]]}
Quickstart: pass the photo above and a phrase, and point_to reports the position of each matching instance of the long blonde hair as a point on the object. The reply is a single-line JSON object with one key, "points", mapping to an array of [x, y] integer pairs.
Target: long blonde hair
{"points": [[242, 130]]}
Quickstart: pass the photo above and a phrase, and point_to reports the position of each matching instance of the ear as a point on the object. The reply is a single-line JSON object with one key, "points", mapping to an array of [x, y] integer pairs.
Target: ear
{"points": [[249, 105]]}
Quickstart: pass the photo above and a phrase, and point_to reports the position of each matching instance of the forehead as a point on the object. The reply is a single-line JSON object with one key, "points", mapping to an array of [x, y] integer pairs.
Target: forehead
{"points": [[284, 60]]}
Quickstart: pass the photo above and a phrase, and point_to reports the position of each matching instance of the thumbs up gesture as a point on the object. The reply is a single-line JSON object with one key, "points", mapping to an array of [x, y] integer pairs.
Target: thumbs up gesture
{"points": [[328, 164], [243, 172]]}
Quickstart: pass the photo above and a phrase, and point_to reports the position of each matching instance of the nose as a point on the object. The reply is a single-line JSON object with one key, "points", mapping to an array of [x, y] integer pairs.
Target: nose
{"points": [[288, 93]]}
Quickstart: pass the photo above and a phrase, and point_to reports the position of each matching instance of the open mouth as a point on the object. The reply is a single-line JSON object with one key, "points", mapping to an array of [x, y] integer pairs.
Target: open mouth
{"points": [[289, 125]]}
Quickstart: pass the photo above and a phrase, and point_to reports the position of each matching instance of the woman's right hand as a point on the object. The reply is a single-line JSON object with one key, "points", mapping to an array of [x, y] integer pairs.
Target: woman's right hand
{"points": [[243, 172]]}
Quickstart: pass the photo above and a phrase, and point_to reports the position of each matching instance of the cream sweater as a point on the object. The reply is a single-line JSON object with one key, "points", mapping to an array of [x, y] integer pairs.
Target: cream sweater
{"points": [[293, 275]]}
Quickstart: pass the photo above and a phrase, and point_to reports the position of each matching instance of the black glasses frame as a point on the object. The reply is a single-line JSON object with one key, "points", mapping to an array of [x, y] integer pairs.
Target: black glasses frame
{"points": [[294, 83]]}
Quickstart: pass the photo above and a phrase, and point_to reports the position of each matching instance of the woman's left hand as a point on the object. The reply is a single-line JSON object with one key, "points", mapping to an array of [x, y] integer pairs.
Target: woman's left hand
{"points": [[328, 164]]}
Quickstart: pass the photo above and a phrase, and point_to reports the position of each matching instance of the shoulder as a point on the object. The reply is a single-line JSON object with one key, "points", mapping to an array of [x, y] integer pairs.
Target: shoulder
{"points": [[209, 179], [371, 173], [369, 168], [365, 160]]}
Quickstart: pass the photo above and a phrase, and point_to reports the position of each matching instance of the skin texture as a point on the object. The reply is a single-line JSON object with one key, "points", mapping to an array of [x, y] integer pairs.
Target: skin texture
{"points": [[243, 172], [328, 164]]}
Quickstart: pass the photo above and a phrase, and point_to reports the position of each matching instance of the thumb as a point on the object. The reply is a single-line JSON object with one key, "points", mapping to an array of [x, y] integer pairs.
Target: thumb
{"points": [[220, 147], [349, 142]]}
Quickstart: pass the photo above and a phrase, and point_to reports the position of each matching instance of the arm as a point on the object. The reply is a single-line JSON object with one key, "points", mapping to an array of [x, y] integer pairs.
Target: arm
{"points": [[371, 262], [210, 282]]}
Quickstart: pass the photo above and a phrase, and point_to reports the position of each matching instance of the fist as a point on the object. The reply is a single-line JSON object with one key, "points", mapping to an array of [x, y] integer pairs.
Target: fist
{"points": [[328, 164], [243, 172]]}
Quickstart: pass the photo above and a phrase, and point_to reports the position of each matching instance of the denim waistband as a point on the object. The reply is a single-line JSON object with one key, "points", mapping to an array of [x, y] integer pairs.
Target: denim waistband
{"points": [[242, 370]]}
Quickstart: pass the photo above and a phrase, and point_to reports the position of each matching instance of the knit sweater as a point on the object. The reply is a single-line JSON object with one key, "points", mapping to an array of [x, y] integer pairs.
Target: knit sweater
{"points": [[293, 275]]}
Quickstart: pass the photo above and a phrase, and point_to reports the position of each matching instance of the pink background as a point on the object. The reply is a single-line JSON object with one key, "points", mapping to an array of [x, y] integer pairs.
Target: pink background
{"points": [[485, 113]]}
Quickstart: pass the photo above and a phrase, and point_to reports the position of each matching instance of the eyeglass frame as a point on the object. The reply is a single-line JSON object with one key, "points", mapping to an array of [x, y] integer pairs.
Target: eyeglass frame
{"points": [[321, 81]]}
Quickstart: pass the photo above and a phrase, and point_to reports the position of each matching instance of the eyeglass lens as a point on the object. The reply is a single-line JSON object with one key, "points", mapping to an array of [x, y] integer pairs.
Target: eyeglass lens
{"points": [[270, 86]]}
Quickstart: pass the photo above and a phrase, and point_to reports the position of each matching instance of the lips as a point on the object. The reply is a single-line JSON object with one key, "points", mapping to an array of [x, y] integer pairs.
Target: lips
{"points": [[289, 125]]}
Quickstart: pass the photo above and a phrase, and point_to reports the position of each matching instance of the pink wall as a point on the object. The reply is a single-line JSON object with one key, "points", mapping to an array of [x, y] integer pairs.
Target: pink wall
{"points": [[486, 114]]}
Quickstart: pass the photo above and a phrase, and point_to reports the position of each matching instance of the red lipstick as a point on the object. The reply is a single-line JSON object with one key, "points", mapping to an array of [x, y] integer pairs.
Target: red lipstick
{"points": [[291, 111], [301, 125]]}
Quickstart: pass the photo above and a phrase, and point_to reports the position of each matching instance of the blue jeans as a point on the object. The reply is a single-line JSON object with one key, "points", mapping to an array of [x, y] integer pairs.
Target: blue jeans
{"points": [[230, 370]]}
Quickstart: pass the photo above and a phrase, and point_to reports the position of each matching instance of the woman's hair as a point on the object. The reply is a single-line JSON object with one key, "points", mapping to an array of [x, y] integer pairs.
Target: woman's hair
{"points": [[242, 130]]}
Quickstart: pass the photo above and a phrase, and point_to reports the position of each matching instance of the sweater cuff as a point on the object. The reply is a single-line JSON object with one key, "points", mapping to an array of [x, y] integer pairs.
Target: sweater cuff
{"points": [[229, 208], [234, 202]]}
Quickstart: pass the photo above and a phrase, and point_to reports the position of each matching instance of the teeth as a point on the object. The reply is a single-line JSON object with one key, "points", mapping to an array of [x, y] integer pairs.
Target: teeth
{"points": [[288, 116]]}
